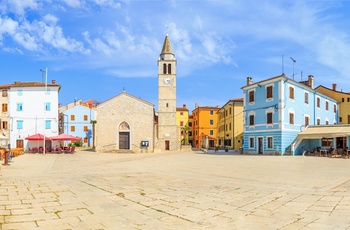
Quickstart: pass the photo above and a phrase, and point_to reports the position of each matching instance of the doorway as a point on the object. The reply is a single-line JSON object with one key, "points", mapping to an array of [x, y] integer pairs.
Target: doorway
{"points": [[260, 145], [124, 140], [341, 142], [167, 145], [19, 143]]}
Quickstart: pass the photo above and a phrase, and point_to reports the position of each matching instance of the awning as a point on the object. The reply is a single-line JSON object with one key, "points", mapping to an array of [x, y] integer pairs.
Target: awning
{"points": [[320, 131]]}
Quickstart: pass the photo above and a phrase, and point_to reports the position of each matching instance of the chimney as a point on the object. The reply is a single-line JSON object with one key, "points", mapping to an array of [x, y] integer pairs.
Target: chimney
{"points": [[196, 105], [249, 80], [54, 82], [311, 81], [184, 106], [59, 105], [334, 86]]}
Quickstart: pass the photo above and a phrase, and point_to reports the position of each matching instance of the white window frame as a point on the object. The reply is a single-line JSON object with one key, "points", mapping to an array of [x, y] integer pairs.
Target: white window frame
{"points": [[267, 142], [250, 146]]}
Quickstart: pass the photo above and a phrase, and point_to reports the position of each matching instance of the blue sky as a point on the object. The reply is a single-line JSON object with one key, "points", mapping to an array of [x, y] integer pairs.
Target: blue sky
{"points": [[95, 48]]}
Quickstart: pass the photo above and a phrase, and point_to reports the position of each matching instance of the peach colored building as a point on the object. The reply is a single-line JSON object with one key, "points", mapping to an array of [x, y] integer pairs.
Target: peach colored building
{"points": [[204, 129]]}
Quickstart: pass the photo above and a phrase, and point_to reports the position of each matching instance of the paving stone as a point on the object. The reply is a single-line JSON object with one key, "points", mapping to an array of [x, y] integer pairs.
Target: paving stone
{"points": [[182, 190]]}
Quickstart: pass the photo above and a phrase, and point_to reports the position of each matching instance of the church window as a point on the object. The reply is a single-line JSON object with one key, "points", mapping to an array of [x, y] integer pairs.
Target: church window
{"points": [[167, 105]]}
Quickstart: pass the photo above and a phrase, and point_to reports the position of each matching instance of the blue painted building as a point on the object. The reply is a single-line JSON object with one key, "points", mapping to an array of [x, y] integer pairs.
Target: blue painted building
{"points": [[75, 120], [276, 110]]}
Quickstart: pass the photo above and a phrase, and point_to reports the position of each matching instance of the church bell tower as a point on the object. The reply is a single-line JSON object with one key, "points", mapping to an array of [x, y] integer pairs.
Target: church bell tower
{"points": [[168, 133]]}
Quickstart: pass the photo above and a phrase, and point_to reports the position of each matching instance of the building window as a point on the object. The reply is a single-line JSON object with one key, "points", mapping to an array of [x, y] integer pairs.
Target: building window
{"points": [[72, 128], [181, 113], [4, 125], [47, 124], [72, 117], [167, 105], [86, 117], [169, 68], [291, 92], [251, 96], [48, 91], [19, 124], [318, 102], [327, 107], [269, 94], [348, 99], [181, 123], [211, 132], [342, 100], [251, 142], [230, 111], [85, 140], [211, 112], [251, 119], [47, 106], [306, 98], [269, 142], [269, 118], [306, 121], [19, 107], [327, 122], [340, 119], [327, 142], [334, 108], [164, 68], [85, 128], [4, 107], [4, 93], [318, 121], [291, 118], [211, 122], [190, 124], [20, 92]]}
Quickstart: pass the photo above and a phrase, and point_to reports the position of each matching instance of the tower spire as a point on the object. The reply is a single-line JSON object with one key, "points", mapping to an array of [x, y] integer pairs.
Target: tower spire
{"points": [[167, 50]]}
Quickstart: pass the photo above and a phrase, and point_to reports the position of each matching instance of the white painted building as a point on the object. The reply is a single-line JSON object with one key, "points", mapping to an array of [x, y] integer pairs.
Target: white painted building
{"points": [[33, 108]]}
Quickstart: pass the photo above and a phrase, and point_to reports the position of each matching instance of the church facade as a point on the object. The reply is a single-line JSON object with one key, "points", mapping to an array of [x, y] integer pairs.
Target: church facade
{"points": [[126, 123]]}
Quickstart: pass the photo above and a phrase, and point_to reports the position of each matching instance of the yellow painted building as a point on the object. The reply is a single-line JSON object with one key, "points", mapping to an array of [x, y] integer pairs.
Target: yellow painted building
{"points": [[182, 122], [343, 100], [230, 125], [190, 134], [204, 131]]}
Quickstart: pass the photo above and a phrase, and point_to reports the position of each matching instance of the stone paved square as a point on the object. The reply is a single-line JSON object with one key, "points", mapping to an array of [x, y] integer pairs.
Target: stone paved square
{"points": [[174, 190]]}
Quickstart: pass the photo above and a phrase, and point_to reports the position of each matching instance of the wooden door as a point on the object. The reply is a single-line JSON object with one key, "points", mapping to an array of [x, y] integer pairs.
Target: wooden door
{"points": [[19, 143], [124, 140]]}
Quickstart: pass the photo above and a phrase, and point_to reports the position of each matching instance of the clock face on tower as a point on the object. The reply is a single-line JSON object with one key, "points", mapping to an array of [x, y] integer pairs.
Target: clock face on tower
{"points": [[167, 80]]}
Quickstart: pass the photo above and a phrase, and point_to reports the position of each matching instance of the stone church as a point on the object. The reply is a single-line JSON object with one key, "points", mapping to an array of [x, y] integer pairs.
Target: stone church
{"points": [[126, 123]]}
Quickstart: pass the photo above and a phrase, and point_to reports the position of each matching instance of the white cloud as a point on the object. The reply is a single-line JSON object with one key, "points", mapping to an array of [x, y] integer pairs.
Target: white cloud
{"points": [[50, 19], [7, 26], [108, 3], [73, 3], [19, 6]]}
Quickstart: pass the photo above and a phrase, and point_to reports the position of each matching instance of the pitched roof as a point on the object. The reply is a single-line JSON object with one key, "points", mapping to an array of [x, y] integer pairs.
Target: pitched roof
{"points": [[128, 95]]}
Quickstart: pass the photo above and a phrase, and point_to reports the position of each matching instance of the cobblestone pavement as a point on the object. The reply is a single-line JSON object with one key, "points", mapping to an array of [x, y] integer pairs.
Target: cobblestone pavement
{"points": [[176, 190]]}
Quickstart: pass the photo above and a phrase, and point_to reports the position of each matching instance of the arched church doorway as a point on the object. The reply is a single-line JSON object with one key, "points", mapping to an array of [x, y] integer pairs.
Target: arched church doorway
{"points": [[124, 135]]}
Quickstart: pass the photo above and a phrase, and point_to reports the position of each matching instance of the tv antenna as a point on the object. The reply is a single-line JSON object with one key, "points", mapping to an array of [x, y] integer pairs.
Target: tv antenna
{"points": [[42, 75], [294, 61]]}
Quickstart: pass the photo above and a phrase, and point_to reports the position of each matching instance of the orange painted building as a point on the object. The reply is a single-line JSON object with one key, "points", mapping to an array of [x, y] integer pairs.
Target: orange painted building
{"points": [[204, 126]]}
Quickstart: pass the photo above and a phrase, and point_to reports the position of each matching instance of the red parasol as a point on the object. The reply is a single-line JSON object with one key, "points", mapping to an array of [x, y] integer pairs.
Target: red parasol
{"points": [[37, 137]]}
